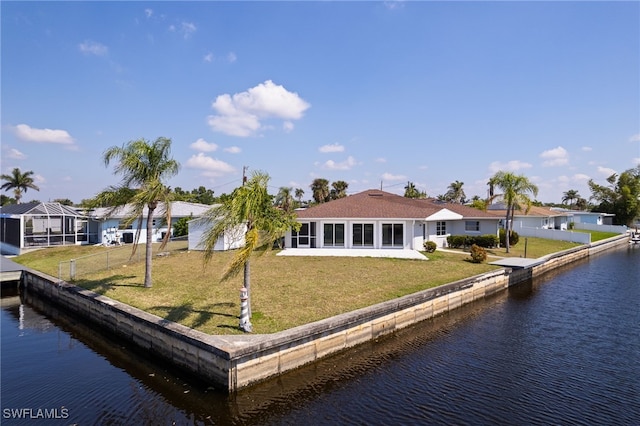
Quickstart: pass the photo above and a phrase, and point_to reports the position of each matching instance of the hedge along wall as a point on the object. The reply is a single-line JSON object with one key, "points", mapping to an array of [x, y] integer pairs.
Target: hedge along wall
{"points": [[233, 362]]}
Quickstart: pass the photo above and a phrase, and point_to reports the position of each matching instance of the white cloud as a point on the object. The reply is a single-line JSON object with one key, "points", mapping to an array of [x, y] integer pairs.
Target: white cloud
{"points": [[233, 150], [231, 57], [389, 176], [511, 166], [148, 12], [15, 154], [555, 157], [30, 134], [211, 166], [241, 114], [334, 147], [605, 171], [344, 165], [93, 48], [636, 161], [208, 57], [380, 160], [287, 126], [186, 29], [203, 146], [580, 177], [587, 148], [635, 138], [394, 4]]}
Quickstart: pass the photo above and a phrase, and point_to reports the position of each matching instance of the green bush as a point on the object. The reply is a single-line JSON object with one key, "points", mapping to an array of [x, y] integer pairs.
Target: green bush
{"points": [[513, 238], [181, 227], [478, 254], [457, 241], [430, 246], [486, 241]]}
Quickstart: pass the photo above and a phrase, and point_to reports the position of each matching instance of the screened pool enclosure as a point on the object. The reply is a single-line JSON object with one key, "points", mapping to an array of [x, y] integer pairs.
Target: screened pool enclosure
{"points": [[31, 225]]}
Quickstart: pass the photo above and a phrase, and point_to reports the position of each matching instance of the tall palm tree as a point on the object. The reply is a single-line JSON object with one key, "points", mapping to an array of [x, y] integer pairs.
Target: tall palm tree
{"points": [[515, 189], [19, 182], [320, 190], [339, 189], [143, 165], [299, 194], [455, 193], [250, 207], [570, 195]]}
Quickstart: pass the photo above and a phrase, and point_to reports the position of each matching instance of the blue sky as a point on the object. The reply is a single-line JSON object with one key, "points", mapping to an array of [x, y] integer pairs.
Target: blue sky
{"points": [[372, 93]]}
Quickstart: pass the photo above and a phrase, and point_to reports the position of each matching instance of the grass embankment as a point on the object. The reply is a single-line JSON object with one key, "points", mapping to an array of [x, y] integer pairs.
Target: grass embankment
{"points": [[286, 291]]}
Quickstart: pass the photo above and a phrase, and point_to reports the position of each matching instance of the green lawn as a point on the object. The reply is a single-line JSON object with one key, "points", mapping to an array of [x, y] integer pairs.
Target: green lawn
{"points": [[286, 291]]}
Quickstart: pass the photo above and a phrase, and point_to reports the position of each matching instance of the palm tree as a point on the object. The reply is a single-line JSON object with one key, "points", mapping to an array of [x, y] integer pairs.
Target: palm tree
{"points": [[455, 193], [320, 189], [250, 207], [299, 194], [514, 194], [19, 182], [570, 195], [339, 189], [143, 166], [410, 190], [284, 199]]}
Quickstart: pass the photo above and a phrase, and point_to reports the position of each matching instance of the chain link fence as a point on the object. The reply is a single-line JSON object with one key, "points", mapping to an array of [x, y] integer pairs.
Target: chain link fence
{"points": [[114, 258]]}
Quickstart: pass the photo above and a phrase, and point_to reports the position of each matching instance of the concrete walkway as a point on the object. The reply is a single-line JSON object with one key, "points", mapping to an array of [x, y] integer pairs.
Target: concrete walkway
{"points": [[338, 252]]}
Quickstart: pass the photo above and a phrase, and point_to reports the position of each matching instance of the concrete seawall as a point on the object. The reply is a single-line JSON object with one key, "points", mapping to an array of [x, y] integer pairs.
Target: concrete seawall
{"points": [[237, 361]]}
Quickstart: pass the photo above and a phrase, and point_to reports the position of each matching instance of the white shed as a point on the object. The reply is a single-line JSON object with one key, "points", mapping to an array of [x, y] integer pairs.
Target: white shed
{"points": [[232, 238]]}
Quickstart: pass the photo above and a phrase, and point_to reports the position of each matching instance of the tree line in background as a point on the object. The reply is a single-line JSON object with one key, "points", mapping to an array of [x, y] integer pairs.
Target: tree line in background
{"points": [[621, 195]]}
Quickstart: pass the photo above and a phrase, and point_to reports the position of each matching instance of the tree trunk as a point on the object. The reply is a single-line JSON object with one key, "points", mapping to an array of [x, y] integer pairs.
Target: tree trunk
{"points": [[507, 229], [149, 250], [247, 285]]}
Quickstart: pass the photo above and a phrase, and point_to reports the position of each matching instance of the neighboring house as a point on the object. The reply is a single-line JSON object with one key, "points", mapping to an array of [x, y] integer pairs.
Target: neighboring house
{"points": [[375, 219], [36, 225], [535, 217], [232, 239], [593, 218], [111, 228]]}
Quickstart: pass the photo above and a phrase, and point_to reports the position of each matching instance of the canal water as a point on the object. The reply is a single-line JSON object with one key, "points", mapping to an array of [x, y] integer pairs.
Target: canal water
{"points": [[563, 349]]}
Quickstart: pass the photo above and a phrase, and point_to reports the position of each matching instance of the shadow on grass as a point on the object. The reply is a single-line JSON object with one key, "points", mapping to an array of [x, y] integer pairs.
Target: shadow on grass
{"points": [[186, 310], [105, 284]]}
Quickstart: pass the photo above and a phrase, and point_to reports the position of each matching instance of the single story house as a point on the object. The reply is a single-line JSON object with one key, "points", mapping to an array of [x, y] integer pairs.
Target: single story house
{"points": [[111, 229], [34, 225], [536, 217], [375, 219]]}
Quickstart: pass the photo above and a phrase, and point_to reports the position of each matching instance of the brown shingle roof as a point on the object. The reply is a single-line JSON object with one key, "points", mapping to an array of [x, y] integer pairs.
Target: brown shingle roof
{"points": [[374, 203]]}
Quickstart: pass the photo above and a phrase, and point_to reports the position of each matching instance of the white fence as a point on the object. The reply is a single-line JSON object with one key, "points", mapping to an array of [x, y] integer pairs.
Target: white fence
{"points": [[618, 229], [555, 234]]}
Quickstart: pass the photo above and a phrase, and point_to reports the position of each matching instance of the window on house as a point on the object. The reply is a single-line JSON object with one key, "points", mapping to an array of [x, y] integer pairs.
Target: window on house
{"points": [[362, 234], [472, 225], [334, 234], [441, 228], [393, 234]]}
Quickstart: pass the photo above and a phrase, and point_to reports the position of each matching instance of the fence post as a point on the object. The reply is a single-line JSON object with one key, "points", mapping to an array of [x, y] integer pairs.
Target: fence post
{"points": [[72, 269]]}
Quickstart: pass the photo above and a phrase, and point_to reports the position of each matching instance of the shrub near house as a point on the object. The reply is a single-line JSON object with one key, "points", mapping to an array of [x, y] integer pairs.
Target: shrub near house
{"points": [[459, 241]]}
